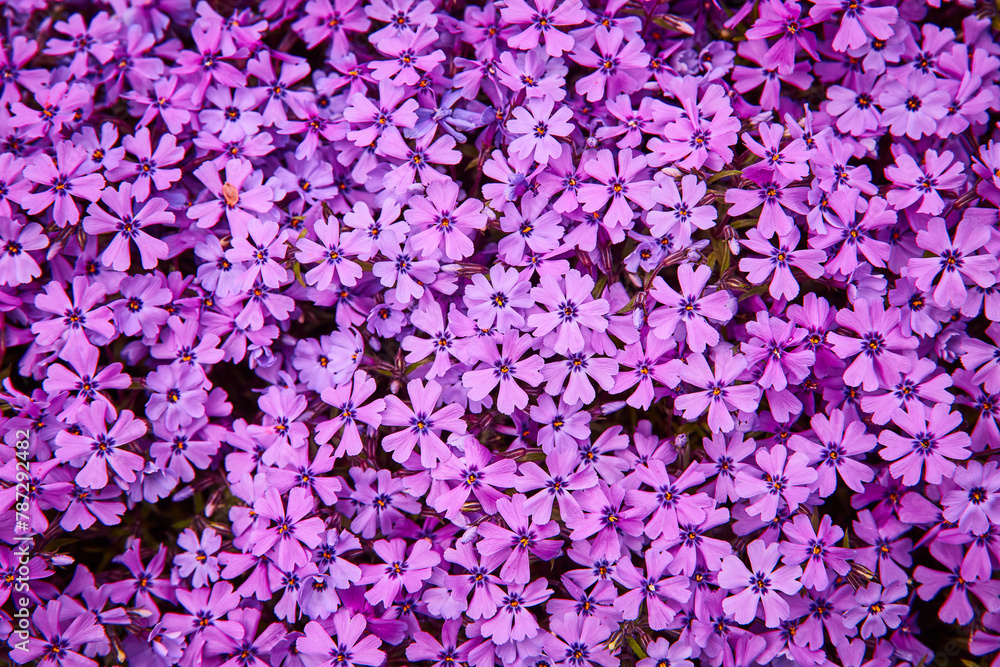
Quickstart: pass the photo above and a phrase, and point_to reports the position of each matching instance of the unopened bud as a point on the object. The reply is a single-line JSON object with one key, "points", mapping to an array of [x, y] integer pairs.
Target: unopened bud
{"points": [[613, 406]]}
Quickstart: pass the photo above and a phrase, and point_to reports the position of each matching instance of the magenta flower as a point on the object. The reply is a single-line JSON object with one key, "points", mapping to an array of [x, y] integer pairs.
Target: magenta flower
{"points": [[927, 452], [198, 560], [17, 266], [878, 608], [721, 395], [497, 300], [619, 187], [607, 519], [444, 225], [817, 549], [150, 165], [393, 110], [543, 22], [241, 196], [571, 309], [669, 502], [620, 66], [97, 448], [557, 482], [879, 346], [684, 213], [972, 505], [923, 183], [398, 570], [73, 318], [260, 245], [646, 361], [652, 587], [840, 441], [580, 641], [761, 584], [73, 177], [538, 129], [954, 261], [178, 395], [913, 107], [85, 381], [293, 531], [349, 399], [580, 368], [504, 367], [475, 474], [62, 631], [513, 621], [423, 424], [331, 254], [774, 196], [687, 313], [860, 20], [523, 536], [351, 646], [128, 226], [783, 482]]}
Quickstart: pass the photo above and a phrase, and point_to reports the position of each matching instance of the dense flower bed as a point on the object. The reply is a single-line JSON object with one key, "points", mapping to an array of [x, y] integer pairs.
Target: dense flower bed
{"points": [[540, 332]]}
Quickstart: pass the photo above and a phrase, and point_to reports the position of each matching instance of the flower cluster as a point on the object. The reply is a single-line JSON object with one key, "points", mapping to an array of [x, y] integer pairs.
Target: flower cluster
{"points": [[523, 333]]}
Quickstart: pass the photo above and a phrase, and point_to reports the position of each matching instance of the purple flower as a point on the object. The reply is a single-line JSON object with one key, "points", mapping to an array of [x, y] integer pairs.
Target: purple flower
{"points": [[580, 641], [444, 224], [619, 68], [721, 394], [954, 261], [687, 313], [976, 500], [423, 424], [537, 129], [762, 584], [879, 361], [562, 477], [913, 107], [839, 442], [926, 453], [399, 569], [198, 558], [178, 395], [878, 608], [504, 367], [349, 399], [513, 621], [98, 447], [860, 20], [669, 503], [331, 254], [816, 548], [783, 481], [475, 474], [72, 177], [17, 266], [62, 633], [151, 164], [571, 309], [523, 536], [543, 21], [293, 530], [684, 213], [351, 646], [619, 187]]}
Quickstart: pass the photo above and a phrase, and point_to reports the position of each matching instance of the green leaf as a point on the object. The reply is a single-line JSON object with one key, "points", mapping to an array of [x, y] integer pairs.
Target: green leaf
{"points": [[724, 174], [297, 270], [636, 648]]}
